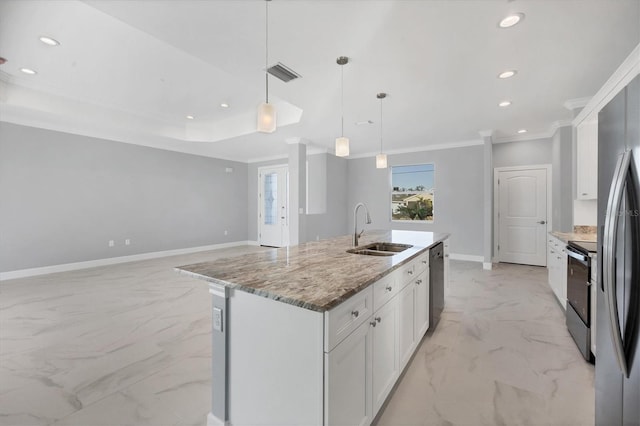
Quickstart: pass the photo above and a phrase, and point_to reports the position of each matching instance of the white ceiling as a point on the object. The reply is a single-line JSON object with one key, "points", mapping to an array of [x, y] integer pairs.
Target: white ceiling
{"points": [[132, 70]]}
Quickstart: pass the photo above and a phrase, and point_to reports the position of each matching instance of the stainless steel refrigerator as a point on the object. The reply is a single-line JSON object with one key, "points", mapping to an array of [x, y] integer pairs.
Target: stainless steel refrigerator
{"points": [[618, 302]]}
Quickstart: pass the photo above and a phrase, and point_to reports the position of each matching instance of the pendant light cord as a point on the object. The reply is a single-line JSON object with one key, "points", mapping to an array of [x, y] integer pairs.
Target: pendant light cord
{"points": [[381, 125], [342, 100], [266, 54]]}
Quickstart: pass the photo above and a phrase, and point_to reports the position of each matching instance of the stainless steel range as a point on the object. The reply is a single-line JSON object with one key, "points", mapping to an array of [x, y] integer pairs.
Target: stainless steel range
{"points": [[578, 294]]}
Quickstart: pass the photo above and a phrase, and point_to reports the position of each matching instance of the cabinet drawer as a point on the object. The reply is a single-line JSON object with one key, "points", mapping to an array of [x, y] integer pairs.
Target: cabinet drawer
{"points": [[422, 263], [385, 289], [407, 274], [346, 317]]}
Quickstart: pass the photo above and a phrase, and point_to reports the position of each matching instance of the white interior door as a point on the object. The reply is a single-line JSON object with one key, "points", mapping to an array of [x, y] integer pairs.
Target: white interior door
{"points": [[273, 199], [522, 216]]}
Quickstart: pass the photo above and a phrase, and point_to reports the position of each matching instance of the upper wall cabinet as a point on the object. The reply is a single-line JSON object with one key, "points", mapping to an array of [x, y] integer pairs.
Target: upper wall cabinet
{"points": [[587, 160]]}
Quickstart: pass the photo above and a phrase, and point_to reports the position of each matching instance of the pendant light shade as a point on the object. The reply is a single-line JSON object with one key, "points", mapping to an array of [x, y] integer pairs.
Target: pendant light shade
{"points": [[381, 159], [342, 143], [266, 118], [342, 147], [266, 111]]}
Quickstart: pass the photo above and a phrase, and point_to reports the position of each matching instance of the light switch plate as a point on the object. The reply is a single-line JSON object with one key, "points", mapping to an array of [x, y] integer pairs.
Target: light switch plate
{"points": [[217, 319]]}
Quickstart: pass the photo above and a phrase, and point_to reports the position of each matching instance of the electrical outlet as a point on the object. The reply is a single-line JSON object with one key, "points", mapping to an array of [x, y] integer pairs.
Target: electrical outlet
{"points": [[226, 232], [112, 243], [127, 242]]}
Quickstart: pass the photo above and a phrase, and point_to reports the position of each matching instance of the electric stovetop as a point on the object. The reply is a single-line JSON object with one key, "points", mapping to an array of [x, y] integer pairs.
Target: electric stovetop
{"points": [[585, 246]]}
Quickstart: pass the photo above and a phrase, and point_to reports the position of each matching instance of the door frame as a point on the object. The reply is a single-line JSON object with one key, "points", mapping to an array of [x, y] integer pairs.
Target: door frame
{"points": [[258, 218], [496, 201]]}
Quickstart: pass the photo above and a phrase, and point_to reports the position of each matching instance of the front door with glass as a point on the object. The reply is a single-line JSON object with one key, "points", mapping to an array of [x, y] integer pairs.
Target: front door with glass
{"points": [[273, 199]]}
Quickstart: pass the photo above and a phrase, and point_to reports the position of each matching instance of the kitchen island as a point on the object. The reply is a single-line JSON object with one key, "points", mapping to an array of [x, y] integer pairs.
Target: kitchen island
{"points": [[312, 334]]}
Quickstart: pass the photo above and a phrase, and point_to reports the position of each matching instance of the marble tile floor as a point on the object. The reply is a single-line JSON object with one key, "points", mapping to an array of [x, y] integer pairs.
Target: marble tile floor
{"points": [[501, 355], [129, 344]]}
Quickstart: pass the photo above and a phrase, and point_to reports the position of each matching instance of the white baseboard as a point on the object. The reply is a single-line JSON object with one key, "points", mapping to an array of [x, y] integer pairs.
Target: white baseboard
{"points": [[467, 257], [23, 273], [253, 243], [214, 421], [487, 266]]}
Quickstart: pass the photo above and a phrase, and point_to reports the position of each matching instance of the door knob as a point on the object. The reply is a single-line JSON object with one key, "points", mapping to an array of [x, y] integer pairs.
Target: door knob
{"points": [[542, 222]]}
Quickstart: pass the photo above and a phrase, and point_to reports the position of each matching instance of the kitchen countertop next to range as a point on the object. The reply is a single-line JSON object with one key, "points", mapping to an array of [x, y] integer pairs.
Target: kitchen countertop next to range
{"points": [[574, 236], [317, 275]]}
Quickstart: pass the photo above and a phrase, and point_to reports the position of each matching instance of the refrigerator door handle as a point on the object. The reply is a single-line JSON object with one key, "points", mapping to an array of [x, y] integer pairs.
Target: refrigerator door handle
{"points": [[610, 237]]}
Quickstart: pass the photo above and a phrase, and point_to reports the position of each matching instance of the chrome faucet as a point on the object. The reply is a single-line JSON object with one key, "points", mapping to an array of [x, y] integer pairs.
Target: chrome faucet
{"points": [[357, 235]]}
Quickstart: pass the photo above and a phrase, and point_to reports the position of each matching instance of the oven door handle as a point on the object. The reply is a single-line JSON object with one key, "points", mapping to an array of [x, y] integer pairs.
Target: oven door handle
{"points": [[610, 240], [578, 256]]}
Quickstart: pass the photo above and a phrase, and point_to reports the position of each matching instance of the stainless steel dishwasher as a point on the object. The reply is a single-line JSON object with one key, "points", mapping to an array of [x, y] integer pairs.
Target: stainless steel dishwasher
{"points": [[436, 284]]}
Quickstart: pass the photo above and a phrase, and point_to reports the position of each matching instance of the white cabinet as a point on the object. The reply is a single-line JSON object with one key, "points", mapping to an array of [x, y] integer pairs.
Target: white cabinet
{"points": [[587, 160], [346, 317], [407, 322], [348, 372], [370, 338], [446, 263], [385, 352], [557, 268], [594, 302], [421, 305]]}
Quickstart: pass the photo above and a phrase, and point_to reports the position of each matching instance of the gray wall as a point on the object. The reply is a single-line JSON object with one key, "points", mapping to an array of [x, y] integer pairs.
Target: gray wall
{"points": [[522, 153], [317, 184], [458, 198], [64, 196], [333, 221], [562, 160]]}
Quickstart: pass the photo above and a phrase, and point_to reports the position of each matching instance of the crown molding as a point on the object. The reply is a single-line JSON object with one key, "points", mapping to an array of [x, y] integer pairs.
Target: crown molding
{"points": [[436, 147], [265, 159], [622, 76], [553, 128], [572, 104]]}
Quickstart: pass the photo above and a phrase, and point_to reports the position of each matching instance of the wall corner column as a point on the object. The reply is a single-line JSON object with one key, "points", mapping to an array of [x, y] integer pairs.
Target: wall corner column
{"points": [[297, 191], [487, 138]]}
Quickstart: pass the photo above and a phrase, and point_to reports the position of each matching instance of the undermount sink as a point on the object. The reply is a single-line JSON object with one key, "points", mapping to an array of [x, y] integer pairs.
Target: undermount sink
{"points": [[380, 249]]}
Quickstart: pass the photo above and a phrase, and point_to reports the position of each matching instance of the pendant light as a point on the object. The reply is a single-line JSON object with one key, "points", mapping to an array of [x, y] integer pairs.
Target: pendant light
{"points": [[381, 159], [342, 143], [266, 111]]}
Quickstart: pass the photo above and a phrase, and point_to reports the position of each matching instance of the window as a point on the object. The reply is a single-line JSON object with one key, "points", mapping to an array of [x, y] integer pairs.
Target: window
{"points": [[412, 193]]}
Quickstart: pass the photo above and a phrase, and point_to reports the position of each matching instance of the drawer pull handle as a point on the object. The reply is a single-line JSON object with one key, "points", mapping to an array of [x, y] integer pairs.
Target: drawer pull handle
{"points": [[410, 272], [419, 282], [355, 314], [378, 319], [373, 323], [424, 261], [389, 288]]}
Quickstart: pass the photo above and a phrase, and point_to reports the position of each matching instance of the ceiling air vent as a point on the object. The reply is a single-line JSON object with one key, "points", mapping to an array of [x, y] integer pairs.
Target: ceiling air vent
{"points": [[283, 72]]}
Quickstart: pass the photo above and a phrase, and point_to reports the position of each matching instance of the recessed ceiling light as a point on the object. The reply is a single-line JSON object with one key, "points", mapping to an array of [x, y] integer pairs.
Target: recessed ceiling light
{"points": [[511, 20], [190, 117], [28, 71], [224, 105], [504, 103], [49, 41], [522, 131], [507, 74]]}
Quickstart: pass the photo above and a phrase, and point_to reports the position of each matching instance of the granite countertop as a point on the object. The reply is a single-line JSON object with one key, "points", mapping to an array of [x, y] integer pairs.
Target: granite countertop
{"points": [[574, 236], [315, 275]]}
